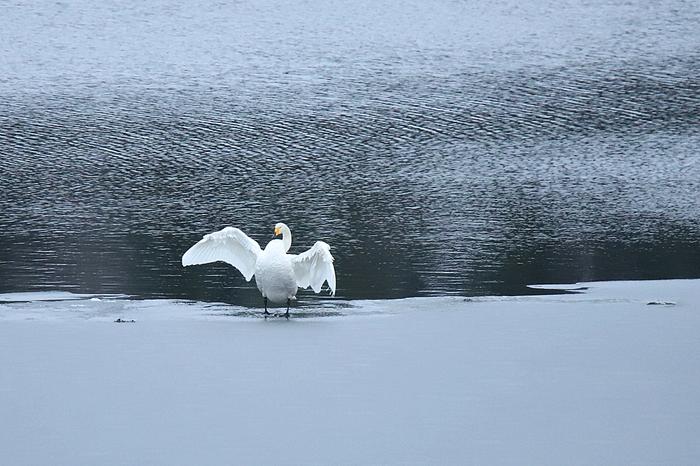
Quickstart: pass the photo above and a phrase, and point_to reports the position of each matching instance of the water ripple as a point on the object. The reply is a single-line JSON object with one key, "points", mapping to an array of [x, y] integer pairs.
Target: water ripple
{"points": [[434, 161]]}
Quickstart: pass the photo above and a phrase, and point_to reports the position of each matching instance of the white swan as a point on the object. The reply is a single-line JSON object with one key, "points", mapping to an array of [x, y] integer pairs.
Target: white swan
{"points": [[277, 274]]}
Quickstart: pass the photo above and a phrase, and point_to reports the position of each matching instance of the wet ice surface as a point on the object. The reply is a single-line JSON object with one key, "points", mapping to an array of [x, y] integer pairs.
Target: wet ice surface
{"points": [[59, 305], [593, 377]]}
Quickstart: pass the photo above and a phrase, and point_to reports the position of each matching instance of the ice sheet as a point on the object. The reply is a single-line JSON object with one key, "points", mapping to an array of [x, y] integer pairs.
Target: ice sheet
{"points": [[598, 377]]}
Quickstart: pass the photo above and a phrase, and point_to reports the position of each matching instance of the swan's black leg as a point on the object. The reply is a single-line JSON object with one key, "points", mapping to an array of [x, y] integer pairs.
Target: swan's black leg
{"points": [[266, 313], [286, 314]]}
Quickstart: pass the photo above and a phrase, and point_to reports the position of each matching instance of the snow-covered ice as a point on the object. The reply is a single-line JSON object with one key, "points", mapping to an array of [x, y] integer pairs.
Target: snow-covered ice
{"points": [[598, 376]]}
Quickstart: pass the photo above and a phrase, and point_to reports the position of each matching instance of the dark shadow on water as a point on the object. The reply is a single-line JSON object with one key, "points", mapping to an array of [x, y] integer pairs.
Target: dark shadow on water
{"points": [[280, 316]]}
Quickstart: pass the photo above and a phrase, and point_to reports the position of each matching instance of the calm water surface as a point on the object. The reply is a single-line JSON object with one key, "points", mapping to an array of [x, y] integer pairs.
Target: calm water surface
{"points": [[440, 147]]}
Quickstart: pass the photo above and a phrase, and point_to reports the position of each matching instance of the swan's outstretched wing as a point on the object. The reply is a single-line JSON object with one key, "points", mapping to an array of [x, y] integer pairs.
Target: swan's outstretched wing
{"points": [[230, 245], [314, 267]]}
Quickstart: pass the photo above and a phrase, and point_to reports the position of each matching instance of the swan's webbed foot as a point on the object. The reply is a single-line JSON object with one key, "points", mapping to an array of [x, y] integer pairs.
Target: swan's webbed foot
{"points": [[286, 314], [265, 313]]}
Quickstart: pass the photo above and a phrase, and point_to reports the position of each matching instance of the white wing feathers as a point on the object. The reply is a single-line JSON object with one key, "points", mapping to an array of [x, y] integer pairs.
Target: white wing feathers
{"points": [[229, 245], [315, 266]]}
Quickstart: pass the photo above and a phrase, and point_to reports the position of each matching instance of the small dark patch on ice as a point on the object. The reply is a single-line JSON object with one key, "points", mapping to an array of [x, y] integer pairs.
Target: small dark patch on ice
{"points": [[122, 321], [661, 303], [306, 315]]}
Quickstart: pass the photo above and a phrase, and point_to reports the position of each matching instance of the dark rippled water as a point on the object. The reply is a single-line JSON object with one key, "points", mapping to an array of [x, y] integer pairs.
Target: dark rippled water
{"points": [[440, 147]]}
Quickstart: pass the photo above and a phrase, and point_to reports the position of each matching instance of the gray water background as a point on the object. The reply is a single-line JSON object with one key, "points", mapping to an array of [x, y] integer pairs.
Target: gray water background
{"points": [[440, 147]]}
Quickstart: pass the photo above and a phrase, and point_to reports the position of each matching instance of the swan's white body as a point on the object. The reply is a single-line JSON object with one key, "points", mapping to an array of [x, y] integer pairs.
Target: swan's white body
{"points": [[278, 275], [274, 273]]}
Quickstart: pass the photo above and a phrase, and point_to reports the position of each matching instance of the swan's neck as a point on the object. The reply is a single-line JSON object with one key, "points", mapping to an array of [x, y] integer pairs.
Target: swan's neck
{"points": [[286, 238]]}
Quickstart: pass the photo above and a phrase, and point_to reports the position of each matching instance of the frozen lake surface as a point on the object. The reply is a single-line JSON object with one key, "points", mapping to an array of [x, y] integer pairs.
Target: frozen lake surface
{"points": [[596, 377]]}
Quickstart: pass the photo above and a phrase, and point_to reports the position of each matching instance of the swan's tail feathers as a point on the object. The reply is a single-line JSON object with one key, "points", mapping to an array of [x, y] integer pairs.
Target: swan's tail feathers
{"points": [[229, 245]]}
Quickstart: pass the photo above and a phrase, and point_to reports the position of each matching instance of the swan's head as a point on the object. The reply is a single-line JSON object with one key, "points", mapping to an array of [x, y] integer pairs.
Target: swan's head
{"points": [[279, 228], [282, 229]]}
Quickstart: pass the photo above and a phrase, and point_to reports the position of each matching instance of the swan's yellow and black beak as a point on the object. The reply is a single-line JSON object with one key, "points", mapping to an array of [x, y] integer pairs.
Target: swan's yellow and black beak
{"points": [[278, 231]]}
